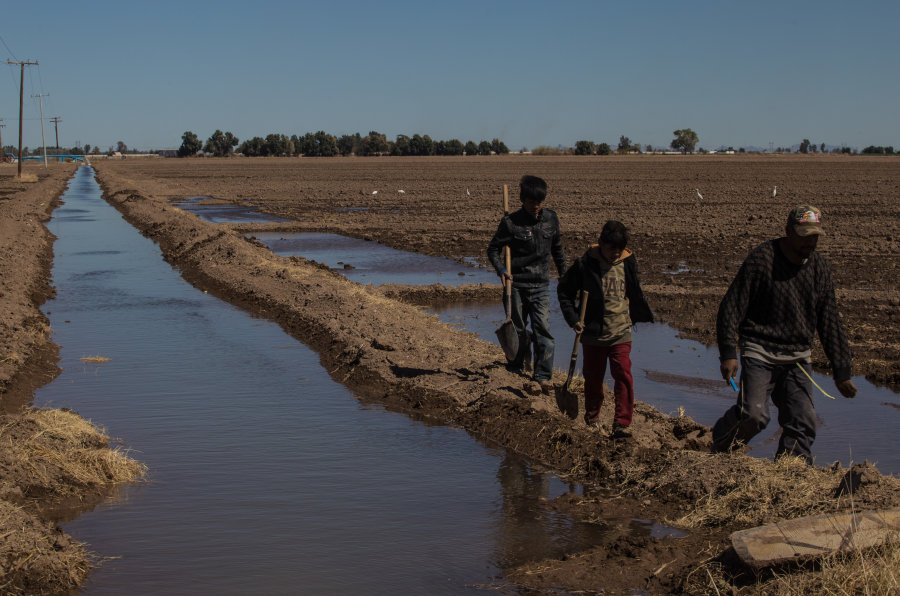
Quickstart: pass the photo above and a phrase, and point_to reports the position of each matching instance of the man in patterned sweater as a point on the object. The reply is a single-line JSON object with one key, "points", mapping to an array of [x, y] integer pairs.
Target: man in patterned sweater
{"points": [[782, 295]]}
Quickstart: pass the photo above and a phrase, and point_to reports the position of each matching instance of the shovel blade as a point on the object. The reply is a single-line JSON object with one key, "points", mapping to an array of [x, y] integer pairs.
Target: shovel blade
{"points": [[567, 401], [509, 339]]}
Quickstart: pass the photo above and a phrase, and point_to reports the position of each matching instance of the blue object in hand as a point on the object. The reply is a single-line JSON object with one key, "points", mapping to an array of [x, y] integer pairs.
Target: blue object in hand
{"points": [[733, 385]]}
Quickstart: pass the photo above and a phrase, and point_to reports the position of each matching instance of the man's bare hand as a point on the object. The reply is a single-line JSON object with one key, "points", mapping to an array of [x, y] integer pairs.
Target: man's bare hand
{"points": [[846, 387], [506, 277], [729, 368], [578, 327]]}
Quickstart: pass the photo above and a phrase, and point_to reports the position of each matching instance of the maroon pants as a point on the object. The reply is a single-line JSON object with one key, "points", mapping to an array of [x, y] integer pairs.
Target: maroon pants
{"points": [[620, 368]]}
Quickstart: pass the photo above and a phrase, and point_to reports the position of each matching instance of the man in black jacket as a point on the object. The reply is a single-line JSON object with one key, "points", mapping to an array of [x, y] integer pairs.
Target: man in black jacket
{"points": [[532, 233], [608, 272], [782, 295]]}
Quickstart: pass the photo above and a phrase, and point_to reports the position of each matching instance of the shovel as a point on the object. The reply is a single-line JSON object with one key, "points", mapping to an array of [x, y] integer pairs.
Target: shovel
{"points": [[567, 401], [506, 333]]}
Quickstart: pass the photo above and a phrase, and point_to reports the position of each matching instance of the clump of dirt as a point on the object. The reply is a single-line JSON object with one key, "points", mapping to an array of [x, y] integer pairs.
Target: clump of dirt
{"points": [[391, 351]]}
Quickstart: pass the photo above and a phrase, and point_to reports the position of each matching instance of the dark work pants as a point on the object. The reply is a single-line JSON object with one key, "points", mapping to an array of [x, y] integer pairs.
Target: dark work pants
{"points": [[791, 392], [533, 303]]}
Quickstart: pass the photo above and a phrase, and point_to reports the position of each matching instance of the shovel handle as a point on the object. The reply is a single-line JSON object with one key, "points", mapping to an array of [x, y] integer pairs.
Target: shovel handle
{"points": [[505, 199], [584, 296]]}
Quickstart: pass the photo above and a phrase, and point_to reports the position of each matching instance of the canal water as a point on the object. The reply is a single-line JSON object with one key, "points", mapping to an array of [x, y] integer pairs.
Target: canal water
{"points": [[670, 373], [266, 476]]}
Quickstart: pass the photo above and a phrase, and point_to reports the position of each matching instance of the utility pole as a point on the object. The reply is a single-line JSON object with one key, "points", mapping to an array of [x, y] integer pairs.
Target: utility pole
{"points": [[41, 97], [22, 64], [2, 157], [56, 120]]}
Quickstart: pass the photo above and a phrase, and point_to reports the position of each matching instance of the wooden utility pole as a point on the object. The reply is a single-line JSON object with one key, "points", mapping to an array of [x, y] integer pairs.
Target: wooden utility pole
{"points": [[2, 157], [23, 64], [41, 97], [56, 120]]}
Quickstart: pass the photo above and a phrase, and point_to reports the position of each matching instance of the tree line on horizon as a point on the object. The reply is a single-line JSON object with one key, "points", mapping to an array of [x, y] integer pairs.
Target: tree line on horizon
{"points": [[322, 144]]}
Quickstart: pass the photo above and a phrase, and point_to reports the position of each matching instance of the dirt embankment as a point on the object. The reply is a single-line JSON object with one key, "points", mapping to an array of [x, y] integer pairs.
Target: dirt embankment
{"points": [[46, 456], [393, 352]]}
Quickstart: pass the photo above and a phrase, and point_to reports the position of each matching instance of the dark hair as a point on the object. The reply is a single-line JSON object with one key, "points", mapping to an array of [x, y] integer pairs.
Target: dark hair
{"points": [[532, 187], [615, 234]]}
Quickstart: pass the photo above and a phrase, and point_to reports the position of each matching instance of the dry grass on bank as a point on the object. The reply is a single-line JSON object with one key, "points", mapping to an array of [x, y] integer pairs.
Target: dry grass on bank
{"points": [[874, 571], [35, 558], [60, 452]]}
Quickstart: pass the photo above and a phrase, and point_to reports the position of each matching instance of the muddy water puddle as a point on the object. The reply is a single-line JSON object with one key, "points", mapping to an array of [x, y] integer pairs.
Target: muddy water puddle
{"points": [[373, 263], [266, 476], [218, 212], [671, 373]]}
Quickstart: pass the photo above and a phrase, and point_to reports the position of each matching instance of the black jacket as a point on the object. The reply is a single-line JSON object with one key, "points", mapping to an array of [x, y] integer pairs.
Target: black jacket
{"points": [[585, 274], [781, 306], [533, 243]]}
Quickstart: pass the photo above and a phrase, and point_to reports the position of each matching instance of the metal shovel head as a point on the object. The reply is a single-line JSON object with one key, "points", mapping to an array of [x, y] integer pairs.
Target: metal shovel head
{"points": [[567, 400], [509, 339]]}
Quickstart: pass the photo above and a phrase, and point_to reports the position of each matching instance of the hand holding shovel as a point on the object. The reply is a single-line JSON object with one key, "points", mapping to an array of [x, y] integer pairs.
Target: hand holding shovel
{"points": [[566, 400]]}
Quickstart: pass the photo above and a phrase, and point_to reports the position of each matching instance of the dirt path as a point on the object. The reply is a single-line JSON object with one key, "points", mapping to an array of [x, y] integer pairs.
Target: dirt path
{"points": [[391, 351]]}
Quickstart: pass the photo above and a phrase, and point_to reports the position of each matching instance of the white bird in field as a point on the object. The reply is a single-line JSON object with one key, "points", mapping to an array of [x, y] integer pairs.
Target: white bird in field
{"points": [[774, 192], [374, 192], [468, 194], [699, 196], [401, 191]]}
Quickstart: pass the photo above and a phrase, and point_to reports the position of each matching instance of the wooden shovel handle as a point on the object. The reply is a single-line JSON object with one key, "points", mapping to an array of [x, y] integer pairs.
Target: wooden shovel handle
{"points": [[506, 253], [584, 297]]}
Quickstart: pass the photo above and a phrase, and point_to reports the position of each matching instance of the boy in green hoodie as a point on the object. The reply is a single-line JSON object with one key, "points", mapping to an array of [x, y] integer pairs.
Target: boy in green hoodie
{"points": [[608, 272]]}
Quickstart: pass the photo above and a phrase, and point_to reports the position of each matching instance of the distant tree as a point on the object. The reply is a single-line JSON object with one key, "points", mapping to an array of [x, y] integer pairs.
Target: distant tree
{"points": [[804, 146], [498, 147], [254, 147], [374, 143], [401, 145], [649, 148], [604, 149], [624, 144], [484, 148], [585, 148], [471, 148], [453, 147], [421, 145], [95, 150], [190, 144], [86, 149], [121, 147], [349, 144], [221, 144], [822, 148], [685, 140]]}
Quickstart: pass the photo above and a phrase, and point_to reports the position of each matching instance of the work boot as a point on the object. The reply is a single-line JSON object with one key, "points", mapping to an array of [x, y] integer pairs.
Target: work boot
{"points": [[620, 431]]}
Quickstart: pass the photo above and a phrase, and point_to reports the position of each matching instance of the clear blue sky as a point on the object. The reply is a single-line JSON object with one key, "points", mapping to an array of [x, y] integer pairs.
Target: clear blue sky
{"points": [[529, 73]]}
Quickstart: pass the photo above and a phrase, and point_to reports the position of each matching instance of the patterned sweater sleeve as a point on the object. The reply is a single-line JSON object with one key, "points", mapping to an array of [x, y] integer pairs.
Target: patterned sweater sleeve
{"points": [[732, 311], [831, 329]]}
